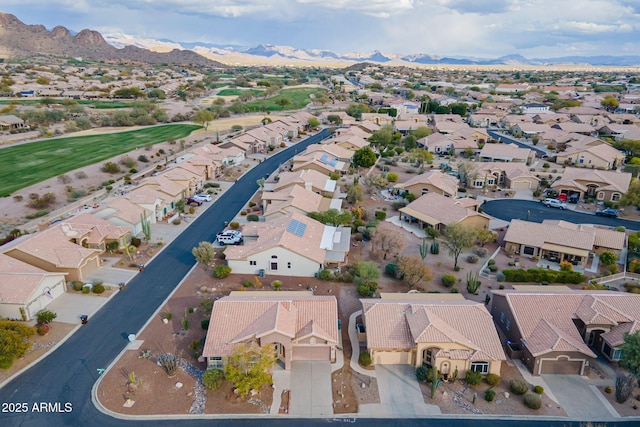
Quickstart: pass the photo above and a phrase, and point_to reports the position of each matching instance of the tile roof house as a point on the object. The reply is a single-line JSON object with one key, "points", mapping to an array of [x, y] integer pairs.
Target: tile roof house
{"points": [[25, 289], [296, 199], [9, 122], [334, 150], [292, 245], [437, 211], [600, 155], [90, 231], [299, 325], [432, 181], [433, 330], [221, 155], [559, 330], [319, 161], [602, 185], [350, 141], [318, 181], [494, 175], [558, 241], [506, 153], [621, 132], [51, 250], [123, 212]]}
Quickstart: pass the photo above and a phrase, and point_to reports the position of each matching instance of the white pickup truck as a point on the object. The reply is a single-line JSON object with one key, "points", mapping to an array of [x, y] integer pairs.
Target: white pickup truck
{"points": [[229, 237]]}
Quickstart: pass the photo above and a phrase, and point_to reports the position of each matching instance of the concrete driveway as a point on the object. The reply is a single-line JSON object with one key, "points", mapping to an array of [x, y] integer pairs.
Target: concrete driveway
{"points": [[70, 305], [579, 399], [400, 395], [310, 389]]}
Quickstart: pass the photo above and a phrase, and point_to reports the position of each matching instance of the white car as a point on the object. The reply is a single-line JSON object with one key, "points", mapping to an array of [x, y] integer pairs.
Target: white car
{"points": [[229, 237], [202, 197], [555, 203]]}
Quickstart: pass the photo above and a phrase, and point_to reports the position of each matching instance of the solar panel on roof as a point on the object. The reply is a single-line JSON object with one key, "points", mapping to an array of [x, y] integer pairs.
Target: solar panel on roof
{"points": [[328, 160], [296, 227]]}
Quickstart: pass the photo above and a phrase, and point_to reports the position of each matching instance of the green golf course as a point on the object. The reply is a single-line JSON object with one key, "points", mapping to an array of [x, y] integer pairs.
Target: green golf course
{"points": [[298, 97], [27, 164]]}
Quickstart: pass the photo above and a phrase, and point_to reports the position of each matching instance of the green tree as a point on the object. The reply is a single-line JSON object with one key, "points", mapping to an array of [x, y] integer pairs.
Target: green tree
{"points": [[610, 103], [366, 271], [486, 236], [14, 341], [631, 353], [335, 119], [203, 117], [375, 182], [45, 316], [356, 110], [364, 157], [212, 378], [129, 93], [409, 142], [204, 253], [283, 102], [249, 367], [608, 258], [355, 193], [382, 137], [420, 132], [386, 242], [313, 122], [421, 156], [156, 94], [413, 271], [459, 237], [332, 217]]}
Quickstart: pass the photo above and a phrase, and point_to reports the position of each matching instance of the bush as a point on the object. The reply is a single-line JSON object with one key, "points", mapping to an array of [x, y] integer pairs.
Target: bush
{"points": [[473, 378], [455, 290], [367, 289], [392, 177], [472, 259], [421, 374], [364, 358], [538, 389], [500, 277], [77, 286], [448, 280], [142, 158], [533, 401], [253, 218], [435, 248], [492, 379], [489, 395], [98, 289], [491, 262], [42, 329], [391, 270], [493, 268], [110, 167], [136, 242], [85, 289], [481, 252], [324, 274], [204, 324], [212, 378], [539, 275], [518, 387], [234, 225], [381, 215], [221, 271]]}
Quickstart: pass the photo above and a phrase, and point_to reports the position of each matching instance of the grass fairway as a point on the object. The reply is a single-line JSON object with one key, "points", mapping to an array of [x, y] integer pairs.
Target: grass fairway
{"points": [[27, 164], [236, 92], [91, 104], [298, 98]]}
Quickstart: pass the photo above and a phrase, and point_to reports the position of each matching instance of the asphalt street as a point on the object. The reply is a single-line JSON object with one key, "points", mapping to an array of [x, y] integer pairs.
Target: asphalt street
{"points": [[66, 376], [508, 209], [509, 140]]}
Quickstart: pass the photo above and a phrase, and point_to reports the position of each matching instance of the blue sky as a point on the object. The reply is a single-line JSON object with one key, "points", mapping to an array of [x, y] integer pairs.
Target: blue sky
{"points": [[477, 28]]}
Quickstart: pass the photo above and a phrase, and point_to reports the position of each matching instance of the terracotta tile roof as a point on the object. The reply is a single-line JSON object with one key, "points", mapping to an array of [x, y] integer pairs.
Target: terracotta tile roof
{"points": [[401, 324], [445, 182], [122, 209], [18, 280], [536, 235], [505, 150], [94, 228], [615, 336], [607, 180], [318, 180], [437, 209], [236, 319], [296, 197], [545, 319]]}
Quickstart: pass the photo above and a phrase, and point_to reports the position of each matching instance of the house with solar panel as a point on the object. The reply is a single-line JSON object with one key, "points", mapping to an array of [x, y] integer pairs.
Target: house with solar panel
{"points": [[292, 245], [320, 161]]}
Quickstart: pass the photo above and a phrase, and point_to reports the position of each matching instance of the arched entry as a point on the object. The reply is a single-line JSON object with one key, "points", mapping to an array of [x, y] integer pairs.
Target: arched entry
{"points": [[280, 352], [429, 356]]}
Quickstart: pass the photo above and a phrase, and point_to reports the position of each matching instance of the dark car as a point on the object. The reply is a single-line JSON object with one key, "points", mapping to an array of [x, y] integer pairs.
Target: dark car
{"points": [[573, 198], [192, 201], [612, 213]]}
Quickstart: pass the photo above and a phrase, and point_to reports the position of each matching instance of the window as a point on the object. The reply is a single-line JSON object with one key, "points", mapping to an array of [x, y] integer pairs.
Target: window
{"points": [[274, 265], [215, 362], [508, 325], [615, 196], [529, 250], [617, 354], [288, 265], [478, 184], [482, 367], [252, 263], [606, 349], [600, 195]]}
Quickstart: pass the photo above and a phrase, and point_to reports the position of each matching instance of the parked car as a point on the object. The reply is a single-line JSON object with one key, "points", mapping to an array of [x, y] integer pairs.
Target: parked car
{"points": [[193, 201], [612, 213], [229, 237], [555, 203], [202, 197], [573, 198]]}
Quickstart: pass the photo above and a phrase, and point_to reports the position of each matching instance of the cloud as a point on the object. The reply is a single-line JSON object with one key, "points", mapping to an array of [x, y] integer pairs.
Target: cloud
{"points": [[484, 7], [377, 8]]}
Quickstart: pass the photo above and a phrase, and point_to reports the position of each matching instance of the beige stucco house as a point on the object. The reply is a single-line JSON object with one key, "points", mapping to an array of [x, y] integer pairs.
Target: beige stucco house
{"points": [[437, 211], [603, 185], [299, 325], [432, 181], [433, 330], [599, 156]]}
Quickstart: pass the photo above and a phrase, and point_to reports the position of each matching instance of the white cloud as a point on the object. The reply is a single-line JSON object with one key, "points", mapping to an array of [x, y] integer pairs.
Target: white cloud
{"points": [[377, 8]]}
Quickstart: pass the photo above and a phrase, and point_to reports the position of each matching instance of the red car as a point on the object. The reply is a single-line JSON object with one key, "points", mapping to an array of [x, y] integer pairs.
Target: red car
{"points": [[192, 201]]}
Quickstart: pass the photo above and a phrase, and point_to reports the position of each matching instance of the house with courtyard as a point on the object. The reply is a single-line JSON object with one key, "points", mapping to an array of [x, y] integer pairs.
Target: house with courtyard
{"points": [[300, 326], [90, 231], [554, 241], [444, 331], [437, 211], [296, 198], [292, 245], [557, 330], [492, 176], [122, 212], [26, 289], [433, 181], [599, 155], [506, 153], [601, 185], [318, 182]]}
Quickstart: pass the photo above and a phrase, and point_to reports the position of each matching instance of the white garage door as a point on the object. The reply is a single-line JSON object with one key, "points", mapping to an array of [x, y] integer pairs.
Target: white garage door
{"points": [[43, 299], [392, 358], [520, 185]]}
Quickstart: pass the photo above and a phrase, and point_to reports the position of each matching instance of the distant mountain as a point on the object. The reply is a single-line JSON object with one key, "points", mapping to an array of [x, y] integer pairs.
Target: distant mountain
{"points": [[18, 40]]}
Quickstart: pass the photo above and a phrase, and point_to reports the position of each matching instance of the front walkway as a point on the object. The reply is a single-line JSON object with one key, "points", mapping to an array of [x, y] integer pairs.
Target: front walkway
{"points": [[355, 347]]}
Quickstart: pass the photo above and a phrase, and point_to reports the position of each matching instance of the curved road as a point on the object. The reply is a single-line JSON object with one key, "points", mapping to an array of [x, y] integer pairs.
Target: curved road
{"points": [[508, 139], [67, 375], [508, 209]]}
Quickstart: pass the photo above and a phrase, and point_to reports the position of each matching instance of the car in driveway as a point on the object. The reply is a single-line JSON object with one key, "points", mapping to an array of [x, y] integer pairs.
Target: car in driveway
{"points": [[229, 237], [202, 197], [611, 213], [193, 201], [555, 203]]}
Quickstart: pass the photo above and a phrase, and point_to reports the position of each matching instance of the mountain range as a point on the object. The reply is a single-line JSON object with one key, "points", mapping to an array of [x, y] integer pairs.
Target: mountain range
{"points": [[18, 40]]}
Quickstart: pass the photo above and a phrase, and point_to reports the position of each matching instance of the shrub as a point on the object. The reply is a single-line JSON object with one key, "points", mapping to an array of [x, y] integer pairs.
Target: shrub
{"points": [[489, 395], [142, 158], [421, 374], [493, 268], [472, 259], [492, 379], [204, 324], [136, 242], [110, 167], [176, 221], [42, 329], [455, 290], [77, 286], [221, 271], [391, 270], [85, 289], [473, 378], [98, 289], [538, 389], [381, 215], [448, 280], [435, 248], [481, 252], [367, 289], [253, 218], [518, 387], [608, 389], [500, 277], [392, 177], [324, 274], [234, 225], [491, 262], [533, 401], [212, 378], [540, 275], [364, 358]]}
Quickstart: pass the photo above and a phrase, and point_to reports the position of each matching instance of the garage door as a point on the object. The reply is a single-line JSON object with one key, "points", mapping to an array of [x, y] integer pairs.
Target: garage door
{"points": [[311, 353], [520, 185], [561, 367], [392, 358], [42, 300]]}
